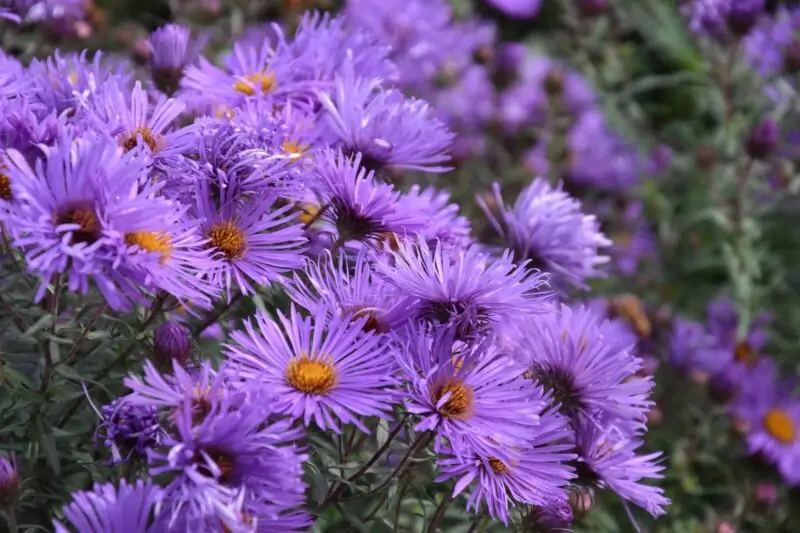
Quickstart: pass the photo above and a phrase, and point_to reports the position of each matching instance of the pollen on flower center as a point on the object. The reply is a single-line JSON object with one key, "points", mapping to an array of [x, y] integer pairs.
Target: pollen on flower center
{"points": [[152, 242], [498, 466], [84, 217], [130, 139], [221, 458], [373, 322], [294, 149], [780, 425], [263, 81], [459, 404], [228, 239], [308, 212], [5, 187], [312, 376]]}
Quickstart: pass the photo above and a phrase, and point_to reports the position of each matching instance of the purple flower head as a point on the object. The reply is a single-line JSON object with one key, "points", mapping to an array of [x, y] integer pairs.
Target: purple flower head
{"points": [[553, 517], [64, 213], [573, 353], [172, 49], [694, 349], [322, 45], [323, 368], [237, 454], [723, 324], [709, 17], [349, 287], [771, 412], [13, 81], [547, 228], [444, 224], [743, 15], [386, 127], [128, 509], [773, 47], [9, 482], [764, 138], [535, 473], [251, 241], [129, 430], [471, 396], [521, 9], [60, 80], [465, 290], [25, 127], [131, 121], [608, 460], [172, 342], [361, 208]]}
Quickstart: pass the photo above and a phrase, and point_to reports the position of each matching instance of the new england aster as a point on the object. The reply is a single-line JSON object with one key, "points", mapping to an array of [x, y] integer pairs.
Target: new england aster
{"points": [[464, 290], [547, 228], [323, 369], [573, 353], [110, 509], [172, 49]]}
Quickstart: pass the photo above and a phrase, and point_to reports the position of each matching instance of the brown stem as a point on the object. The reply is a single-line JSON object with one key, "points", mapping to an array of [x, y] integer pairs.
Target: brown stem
{"points": [[73, 353], [54, 301], [437, 517], [214, 315]]}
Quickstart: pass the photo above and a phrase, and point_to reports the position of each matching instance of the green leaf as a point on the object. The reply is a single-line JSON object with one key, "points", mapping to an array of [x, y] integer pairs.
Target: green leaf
{"points": [[45, 322], [48, 443]]}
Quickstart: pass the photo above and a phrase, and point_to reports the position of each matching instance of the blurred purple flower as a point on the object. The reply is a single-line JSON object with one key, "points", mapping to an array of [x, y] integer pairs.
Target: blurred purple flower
{"points": [[772, 47], [694, 349], [518, 8], [9, 482], [172, 49], [128, 430]]}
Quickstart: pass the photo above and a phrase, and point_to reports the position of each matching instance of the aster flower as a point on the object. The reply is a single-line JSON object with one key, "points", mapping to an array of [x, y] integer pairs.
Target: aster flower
{"points": [[237, 453], [60, 80], [471, 396], [608, 460], [128, 430], [772, 47], [360, 208], [536, 473], [135, 127], [553, 517], [386, 127], [348, 286], [771, 414], [172, 341], [693, 348], [322, 368], [467, 106], [172, 49], [571, 353], [63, 213], [109, 509], [25, 127], [251, 241], [464, 290], [723, 324], [443, 221], [9, 482], [547, 228], [521, 9], [13, 81]]}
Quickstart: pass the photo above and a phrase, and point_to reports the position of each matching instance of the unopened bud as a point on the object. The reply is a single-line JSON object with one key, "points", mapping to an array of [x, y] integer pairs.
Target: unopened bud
{"points": [[172, 341], [725, 527], [764, 139], [765, 494], [743, 16], [592, 8]]}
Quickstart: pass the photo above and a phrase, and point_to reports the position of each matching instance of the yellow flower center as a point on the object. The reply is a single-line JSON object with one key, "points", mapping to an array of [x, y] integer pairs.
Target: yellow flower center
{"points": [[228, 239], [262, 81], [294, 149], [130, 139], [84, 217], [308, 212], [312, 376], [780, 425], [151, 242], [498, 466], [744, 353], [459, 404]]}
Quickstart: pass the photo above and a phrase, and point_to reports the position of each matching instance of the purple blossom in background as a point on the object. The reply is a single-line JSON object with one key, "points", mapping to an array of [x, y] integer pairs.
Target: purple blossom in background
{"points": [[172, 49], [708, 17], [547, 228], [128, 430], [694, 349], [322, 369], [107, 508], [772, 47], [9, 481], [518, 8]]}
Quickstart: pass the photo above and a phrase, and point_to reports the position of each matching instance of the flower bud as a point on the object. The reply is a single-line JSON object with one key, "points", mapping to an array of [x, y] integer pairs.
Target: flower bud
{"points": [[791, 57], [172, 341], [763, 139], [725, 527], [765, 494], [743, 16], [556, 516], [9, 482], [592, 8]]}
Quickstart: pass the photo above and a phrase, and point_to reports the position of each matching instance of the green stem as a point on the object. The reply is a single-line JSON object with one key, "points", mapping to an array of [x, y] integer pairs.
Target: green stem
{"points": [[439, 514]]}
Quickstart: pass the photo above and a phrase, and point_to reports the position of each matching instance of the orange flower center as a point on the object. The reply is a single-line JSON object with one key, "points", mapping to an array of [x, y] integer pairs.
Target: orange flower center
{"points": [[311, 376], [498, 466], [248, 85], [744, 353], [84, 217], [228, 239], [294, 149], [780, 425], [130, 139], [151, 242], [460, 403]]}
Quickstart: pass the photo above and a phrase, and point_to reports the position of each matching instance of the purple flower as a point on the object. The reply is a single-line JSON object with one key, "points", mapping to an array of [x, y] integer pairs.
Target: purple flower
{"points": [[13, 81], [708, 17], [128, 430], [172, 341], [694, 349], [521, 9], [547, 228], [536, 473], [252, 243], [127, 509], [608, 460], [443, 221], [25, 127], [220, 465], [471, 396], [553, 517], [349, 287], [764, 139], [62, 217], [386, 127], [771, 412], [574, 355], [172, 49], [464, 290], [9, 482], [322, 368], [772, 47], [359, 207]]}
